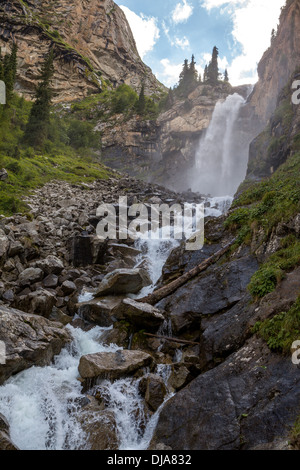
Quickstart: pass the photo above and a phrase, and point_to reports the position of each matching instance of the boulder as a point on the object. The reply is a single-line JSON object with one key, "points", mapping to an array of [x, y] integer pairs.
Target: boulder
{"points": [[30, 340], [250, 400], [99, 311], [123, 281], [30, 276], [152, 387], [50, 281], [50, 265], [139, 314], [3, 174], [4, 244], [112, 365], [39, 302], [68, 287], [99, 426]]}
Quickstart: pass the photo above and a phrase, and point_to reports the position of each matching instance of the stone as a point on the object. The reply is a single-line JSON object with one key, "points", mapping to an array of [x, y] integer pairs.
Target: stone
{"points": [[15, 248], [152, 387], [5, 440], [30, 276], [68, 287], [112, 365], [3, 174], [99, 426], [99, 311], [39, 302], [50, 265], [30, 340], [50, 281], [246, 401], [123, 281], [4, 245], [140, 315]]}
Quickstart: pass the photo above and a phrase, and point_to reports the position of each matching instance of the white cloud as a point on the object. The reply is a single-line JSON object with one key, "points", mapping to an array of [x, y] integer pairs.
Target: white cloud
{"points": [[183, 43], [182, 12], [144, 29], [253, 22], [170, 74]]}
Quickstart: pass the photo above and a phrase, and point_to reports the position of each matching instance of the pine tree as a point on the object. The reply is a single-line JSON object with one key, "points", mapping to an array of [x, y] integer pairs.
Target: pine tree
{"points": [[184, 73], [37, 128], [226, 77], [213, 68], [205, 77], [141, 104]]}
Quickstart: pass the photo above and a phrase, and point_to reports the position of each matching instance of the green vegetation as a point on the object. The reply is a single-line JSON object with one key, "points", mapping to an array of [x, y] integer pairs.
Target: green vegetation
{"points": [[64, 149], [262, 207], [37, 128], [295, 435], [282, 330], [122, 100]]}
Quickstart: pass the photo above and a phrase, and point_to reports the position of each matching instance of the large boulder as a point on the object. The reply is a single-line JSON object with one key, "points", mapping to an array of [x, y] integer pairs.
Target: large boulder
{"points": [[39, 302], [123, 281], [99, 426], [112, 365], [250, 400], [99, 311], [29, 340], [139, 314], [50, 265], [30, 276], [152, 387]]}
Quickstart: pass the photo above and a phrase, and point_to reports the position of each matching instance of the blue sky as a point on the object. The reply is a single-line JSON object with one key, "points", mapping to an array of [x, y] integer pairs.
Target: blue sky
{"points": [[168, 31]]}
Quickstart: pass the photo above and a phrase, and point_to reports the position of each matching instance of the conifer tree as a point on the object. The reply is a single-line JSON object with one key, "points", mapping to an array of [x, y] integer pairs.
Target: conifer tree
{"points": [[141, 104], [226, 77], [37, 128], [213, 68]]}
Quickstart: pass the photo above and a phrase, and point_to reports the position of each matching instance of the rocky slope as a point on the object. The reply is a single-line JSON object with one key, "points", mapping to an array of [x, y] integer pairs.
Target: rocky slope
{"points": [[92, 40]]}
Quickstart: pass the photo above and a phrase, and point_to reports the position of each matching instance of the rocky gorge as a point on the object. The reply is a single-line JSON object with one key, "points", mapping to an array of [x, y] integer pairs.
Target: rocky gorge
{"points": [[90, 358]]}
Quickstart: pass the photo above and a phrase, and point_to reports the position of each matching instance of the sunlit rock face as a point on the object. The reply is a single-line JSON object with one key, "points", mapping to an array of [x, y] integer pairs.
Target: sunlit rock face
{"points": [[92, 41]]}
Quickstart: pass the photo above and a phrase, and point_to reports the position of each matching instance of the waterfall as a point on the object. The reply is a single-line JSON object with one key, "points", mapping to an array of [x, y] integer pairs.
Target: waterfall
{"points": [[222, 154]]}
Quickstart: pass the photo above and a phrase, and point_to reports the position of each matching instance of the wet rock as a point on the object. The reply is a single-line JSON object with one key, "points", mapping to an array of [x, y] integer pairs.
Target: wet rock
{"points": [[123, 281], [216, 290], [245, 402], [99, 311], [139, 314], [99, 426], [152, 387], [30, 340], [5, 440], [179, 377], [112, 366]]}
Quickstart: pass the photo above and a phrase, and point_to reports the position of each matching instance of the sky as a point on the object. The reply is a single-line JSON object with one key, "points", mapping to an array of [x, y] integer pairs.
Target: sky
{"points": [[168, 31]]}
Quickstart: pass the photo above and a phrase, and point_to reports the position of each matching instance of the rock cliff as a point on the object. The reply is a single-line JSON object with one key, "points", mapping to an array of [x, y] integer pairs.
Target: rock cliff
{"points": [[279, 62], [92, 40]]}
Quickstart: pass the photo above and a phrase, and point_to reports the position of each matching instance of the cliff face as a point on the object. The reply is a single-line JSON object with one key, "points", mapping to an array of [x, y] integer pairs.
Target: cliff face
{"points": [[92, 41], [279, 62]]}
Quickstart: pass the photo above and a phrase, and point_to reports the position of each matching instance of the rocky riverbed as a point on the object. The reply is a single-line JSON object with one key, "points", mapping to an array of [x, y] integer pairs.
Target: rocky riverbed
{"points": [[211, 385]]}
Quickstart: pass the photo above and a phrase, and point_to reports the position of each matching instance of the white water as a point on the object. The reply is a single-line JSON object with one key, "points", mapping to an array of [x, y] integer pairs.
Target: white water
{"points": [[221, 158]]}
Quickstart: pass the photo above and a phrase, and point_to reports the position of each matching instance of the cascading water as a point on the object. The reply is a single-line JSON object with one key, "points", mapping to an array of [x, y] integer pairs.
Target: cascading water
{"points": [[222, 155]]}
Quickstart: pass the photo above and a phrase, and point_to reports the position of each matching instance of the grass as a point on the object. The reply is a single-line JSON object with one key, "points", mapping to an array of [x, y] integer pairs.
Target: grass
{"points": [[282, 330], [69, 155]]}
